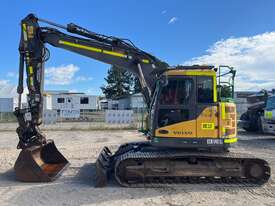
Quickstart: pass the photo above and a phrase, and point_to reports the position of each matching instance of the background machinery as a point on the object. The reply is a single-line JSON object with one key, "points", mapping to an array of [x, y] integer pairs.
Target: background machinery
{"points": [[260, 114], [190, 126]]}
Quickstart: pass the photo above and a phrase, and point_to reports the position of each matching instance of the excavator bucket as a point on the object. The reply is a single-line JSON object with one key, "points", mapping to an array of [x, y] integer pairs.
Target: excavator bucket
{"points": [[40, 163]]}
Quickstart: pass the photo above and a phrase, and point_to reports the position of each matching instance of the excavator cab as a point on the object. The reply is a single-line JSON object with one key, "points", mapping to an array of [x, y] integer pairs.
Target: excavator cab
{"points": [[185, 112]]}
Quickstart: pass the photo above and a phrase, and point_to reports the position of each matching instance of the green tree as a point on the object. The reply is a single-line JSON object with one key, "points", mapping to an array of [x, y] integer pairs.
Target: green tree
{"points": [[119, 83]]}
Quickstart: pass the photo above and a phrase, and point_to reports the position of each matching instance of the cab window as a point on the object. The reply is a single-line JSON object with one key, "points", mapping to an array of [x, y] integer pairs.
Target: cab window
{"points": [[270, 103], [178, 91], [205, 89], [174, 98]]}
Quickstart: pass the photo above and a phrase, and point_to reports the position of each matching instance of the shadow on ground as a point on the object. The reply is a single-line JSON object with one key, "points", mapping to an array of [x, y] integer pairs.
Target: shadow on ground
{"points": [[254, 134], [7, 177], [260, 143]]}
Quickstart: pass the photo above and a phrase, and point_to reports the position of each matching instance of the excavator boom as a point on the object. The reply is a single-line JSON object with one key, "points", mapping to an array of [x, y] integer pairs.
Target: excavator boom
{"points": [[39, 154]]}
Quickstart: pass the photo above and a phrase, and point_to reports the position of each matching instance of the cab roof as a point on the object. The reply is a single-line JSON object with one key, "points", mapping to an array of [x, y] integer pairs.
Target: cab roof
{"points": [[196, 70]]}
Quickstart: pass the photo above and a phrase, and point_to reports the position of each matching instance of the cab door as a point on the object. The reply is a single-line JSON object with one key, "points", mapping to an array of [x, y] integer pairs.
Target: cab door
{"points": [[207, 107], [176, 108]]}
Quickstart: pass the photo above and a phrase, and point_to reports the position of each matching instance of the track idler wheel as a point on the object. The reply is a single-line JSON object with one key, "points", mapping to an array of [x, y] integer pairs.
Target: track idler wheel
{"points": [[40, 163], [257, 171]]}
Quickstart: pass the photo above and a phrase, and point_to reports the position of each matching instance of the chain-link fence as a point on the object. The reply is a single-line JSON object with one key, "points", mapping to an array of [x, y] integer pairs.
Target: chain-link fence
{"points": [[7, 117], [88, 120]]}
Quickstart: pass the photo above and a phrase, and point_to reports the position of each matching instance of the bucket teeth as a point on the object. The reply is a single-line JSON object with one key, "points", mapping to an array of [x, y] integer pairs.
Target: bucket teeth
{"points": [[40, 163], [103, 165]]}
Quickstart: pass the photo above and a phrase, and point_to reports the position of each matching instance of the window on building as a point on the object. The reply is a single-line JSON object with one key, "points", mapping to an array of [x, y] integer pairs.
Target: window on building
{"points": [[60, 100], [205, 89], [84, 100]]}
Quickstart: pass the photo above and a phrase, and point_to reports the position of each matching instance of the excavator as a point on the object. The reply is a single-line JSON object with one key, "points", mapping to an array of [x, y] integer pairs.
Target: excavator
{"points": [[190, 125], [260, 114]]}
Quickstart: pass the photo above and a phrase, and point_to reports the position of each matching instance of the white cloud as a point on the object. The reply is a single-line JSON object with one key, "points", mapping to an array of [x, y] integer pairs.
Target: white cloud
{"points": [[64, 75], [4, 83], [6, 89], [173, 20], [61, 75], [9, 90], [253, 58], [83, 78], [164, 12]]}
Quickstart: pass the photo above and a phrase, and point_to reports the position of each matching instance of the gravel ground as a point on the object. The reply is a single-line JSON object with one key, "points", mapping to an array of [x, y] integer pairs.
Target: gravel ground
{"points": [[75, 186]]}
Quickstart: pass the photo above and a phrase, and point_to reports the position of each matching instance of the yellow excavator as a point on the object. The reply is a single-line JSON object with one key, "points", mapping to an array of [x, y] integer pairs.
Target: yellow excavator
{"points": [[191, 122]]}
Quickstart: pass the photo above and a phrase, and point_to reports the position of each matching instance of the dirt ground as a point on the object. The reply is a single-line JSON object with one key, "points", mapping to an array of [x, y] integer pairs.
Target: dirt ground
{"points": [[75, 186]]}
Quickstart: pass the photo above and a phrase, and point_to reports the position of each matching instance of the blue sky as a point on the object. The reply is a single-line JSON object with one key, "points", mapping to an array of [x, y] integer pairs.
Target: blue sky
{"points": [[180, 32]]}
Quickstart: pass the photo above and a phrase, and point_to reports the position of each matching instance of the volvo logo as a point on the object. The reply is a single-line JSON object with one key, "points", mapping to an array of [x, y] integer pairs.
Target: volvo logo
{"points": [[182, 132]]}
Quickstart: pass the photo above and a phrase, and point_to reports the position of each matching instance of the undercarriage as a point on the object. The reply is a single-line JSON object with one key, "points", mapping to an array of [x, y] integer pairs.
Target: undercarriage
{"points": [[140, 164]]}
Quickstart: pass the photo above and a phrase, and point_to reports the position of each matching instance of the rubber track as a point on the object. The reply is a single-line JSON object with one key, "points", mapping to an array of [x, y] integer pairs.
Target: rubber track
{"points": [[158, 181]]}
